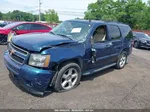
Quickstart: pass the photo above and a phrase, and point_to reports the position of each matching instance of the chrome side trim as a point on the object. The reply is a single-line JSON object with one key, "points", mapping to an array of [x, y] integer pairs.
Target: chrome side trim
{"points": [[99, 69]]}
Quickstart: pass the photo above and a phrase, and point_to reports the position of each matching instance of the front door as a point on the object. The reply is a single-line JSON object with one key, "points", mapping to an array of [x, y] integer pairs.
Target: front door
{"points": [[101, 47], [22, 29]]}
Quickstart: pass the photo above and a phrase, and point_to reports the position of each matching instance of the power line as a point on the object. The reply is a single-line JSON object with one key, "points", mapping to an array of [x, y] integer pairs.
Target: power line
{"points": [[31, 11], [48, 7], [67, 14], [65, 11]]}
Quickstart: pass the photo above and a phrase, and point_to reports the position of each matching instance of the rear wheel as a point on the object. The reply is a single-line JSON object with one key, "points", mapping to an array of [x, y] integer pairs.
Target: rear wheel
{"points": [[122, 60], [68, 77]]}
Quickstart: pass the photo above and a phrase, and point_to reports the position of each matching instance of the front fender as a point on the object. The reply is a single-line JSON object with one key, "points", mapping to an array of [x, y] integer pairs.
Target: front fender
{"points": [[63, 53]]}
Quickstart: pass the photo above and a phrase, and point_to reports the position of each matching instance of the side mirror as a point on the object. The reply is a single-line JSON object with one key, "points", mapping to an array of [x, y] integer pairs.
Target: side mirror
{"points": [[14, 29], [93, 55], [93, 50]]}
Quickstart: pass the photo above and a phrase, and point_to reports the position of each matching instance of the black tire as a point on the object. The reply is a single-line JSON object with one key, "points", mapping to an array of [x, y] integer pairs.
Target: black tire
{"points": [[58, 82], [118, 65], [4, 41], [136, 44]]}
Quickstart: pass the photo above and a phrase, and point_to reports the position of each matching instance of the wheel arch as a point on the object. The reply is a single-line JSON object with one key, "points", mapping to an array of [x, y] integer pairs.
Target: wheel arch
{"points": [[78, 61], [126, 50]]}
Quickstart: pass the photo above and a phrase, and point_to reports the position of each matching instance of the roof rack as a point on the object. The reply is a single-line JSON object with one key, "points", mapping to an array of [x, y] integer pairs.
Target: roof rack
{"points": [[106, 21], [114, 22]]}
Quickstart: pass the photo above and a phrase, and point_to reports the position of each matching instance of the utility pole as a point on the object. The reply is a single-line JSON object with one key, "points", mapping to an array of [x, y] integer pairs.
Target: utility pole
{"points": [[40, 10]]}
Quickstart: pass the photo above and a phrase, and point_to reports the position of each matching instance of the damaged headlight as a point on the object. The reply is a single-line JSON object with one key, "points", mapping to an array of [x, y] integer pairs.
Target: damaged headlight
{"points": [[39, 60]]}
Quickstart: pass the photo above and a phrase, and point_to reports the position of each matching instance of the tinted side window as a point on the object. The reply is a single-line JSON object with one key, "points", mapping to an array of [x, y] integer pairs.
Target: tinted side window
{"points": [[44, 27], [114, 32], [23, 27], [38, 27], [126, 32]]}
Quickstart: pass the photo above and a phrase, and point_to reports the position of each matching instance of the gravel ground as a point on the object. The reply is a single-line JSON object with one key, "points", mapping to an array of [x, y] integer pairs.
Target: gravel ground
{"points": [[128, 88]]}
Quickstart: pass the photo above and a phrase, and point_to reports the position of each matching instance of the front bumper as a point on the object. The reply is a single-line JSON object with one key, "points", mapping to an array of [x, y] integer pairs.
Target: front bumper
{"points": [[145, 45], [33, 79]]}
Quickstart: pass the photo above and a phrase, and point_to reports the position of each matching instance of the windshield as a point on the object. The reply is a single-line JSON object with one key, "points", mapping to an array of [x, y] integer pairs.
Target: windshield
{"points": [[141, 35], [72, 29]]}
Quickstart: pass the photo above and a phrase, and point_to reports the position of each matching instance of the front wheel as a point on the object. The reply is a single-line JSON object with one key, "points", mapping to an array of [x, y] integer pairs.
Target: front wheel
{"points": [[136, 45], [68, 77], [122, 60]]}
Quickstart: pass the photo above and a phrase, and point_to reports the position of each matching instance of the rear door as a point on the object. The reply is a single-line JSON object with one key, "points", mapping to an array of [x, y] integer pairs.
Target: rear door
{"points": [[116, 39], [39, 28]]}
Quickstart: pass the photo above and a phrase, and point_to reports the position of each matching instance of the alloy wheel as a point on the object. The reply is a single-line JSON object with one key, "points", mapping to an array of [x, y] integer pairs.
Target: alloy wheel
{"points": [[69, 78], [122, 60]]}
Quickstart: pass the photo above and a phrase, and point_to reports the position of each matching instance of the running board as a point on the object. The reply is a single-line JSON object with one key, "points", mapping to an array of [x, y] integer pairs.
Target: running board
{"points": [[99, 69]]}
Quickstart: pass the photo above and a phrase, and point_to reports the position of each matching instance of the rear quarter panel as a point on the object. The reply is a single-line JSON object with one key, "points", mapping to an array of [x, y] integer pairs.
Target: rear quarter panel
{"points": [[127, 35]]}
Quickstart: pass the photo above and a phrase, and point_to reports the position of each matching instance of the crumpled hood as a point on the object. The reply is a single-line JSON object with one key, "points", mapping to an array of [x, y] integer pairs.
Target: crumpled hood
{"points": [[38, 41]]}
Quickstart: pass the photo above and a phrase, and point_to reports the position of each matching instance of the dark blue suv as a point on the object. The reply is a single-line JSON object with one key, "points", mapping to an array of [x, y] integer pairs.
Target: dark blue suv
{"points": [[74, 48]]}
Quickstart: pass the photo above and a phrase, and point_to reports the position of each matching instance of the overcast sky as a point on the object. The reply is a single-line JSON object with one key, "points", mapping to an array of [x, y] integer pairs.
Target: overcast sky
{"points": [[67, 9]]}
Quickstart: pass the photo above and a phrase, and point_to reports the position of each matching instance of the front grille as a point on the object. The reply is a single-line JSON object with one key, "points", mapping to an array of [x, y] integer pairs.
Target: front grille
{"points": [[3, 38], [16, 53], [16, 58], [24, 52]]}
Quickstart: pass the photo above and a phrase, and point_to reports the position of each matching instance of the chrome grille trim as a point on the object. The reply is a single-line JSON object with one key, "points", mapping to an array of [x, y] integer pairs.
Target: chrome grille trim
{"points": [[25, 52]]}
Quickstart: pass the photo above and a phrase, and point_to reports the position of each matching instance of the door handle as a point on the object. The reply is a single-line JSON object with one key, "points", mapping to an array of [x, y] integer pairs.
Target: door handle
{"points": [[109, 44]]}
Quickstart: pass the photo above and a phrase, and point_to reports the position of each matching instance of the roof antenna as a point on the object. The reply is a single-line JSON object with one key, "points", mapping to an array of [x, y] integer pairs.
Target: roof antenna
{"points": [[89, 20]]}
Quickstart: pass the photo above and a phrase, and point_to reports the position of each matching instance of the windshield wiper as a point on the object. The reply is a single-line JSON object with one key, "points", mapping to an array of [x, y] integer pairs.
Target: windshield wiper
{"points": [[66, 36], [52, 33], [62, 35]]}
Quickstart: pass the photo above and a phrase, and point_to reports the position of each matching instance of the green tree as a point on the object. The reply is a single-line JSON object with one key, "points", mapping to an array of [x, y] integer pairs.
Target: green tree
{"points": [[132, 12], [135, 14], [147, 15], [17, 15], [101, 10], [148, 2], [51, 16], [1, 15], [42, 17]]}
